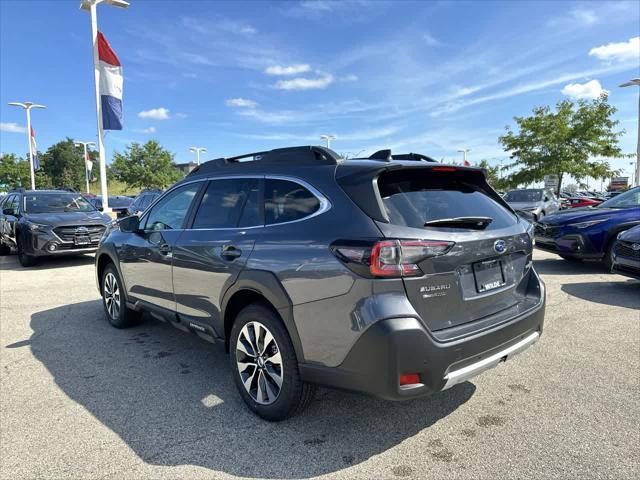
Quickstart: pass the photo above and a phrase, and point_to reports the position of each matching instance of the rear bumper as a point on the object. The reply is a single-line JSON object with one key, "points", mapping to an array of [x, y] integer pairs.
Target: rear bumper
{"points": [[396, 346]]}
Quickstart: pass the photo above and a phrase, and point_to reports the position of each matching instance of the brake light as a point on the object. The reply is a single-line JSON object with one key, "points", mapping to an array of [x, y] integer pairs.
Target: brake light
{"points": [[444, 169], [400, 258]]}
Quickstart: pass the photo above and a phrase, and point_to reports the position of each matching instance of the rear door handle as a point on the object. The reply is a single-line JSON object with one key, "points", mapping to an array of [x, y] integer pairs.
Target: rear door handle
{"points": [[230, 252]]}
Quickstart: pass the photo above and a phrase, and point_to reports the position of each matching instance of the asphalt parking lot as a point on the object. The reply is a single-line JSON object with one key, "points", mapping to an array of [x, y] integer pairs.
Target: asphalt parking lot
{"points": [[80, 399]]}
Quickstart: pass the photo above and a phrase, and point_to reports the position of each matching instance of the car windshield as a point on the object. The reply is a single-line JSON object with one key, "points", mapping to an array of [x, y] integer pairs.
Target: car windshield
{"points": [[524, 196], [56, 203], [628, 199]]}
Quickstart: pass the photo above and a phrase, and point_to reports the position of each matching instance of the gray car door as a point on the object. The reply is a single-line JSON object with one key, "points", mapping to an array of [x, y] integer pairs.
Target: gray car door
{"points": [[146, 256], [209, 255]]}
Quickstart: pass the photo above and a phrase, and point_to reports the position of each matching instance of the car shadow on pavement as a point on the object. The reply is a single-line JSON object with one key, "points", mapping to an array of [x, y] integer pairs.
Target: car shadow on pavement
{"points": [[559, 266], [625, 293], [45, 263], [170, 396]]}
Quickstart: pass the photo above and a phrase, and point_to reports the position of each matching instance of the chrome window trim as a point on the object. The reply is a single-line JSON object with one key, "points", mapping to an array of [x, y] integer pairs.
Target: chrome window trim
{"points": [[325, 204]]}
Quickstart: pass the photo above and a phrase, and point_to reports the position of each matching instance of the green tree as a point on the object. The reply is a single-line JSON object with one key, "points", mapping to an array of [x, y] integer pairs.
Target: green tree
{"points": [[145, 166], [14, 172], [63, 163], [564, 141], [493, 176]]}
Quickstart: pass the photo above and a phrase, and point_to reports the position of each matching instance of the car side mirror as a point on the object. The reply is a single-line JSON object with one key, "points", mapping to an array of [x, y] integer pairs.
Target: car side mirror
{"points": [[546, 199], [8, 211], [100, 209], [130, 224]]}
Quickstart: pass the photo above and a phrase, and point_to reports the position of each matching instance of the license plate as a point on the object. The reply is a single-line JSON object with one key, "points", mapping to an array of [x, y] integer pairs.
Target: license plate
{"points": [[488, 275], [82, 240]]}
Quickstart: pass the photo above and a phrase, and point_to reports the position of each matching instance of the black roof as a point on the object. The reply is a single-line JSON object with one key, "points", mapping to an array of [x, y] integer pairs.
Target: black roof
{"points": [[298, 157]]}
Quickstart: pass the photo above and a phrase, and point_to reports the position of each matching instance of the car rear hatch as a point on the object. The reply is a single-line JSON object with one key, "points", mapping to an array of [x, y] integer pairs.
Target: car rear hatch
{"points": [[490, 248]]}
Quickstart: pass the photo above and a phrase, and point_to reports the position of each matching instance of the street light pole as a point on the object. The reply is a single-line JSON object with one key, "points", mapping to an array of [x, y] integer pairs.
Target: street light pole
{"points": [[464, 152], [28, 106], [91, 5], [197, 150], [328, 138], [636, 82], [86, 169]]}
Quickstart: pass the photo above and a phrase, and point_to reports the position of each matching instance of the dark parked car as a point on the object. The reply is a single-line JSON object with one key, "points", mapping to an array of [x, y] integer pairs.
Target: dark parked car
{"points": [[626, 253], [117, 203], [49, 222], [589, 233], [399, 278], [537, 201], [142, 201]]}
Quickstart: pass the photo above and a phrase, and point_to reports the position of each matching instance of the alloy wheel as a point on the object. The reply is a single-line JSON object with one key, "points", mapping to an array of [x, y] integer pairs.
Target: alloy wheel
{"points": [[259, 363], [112, 295]]}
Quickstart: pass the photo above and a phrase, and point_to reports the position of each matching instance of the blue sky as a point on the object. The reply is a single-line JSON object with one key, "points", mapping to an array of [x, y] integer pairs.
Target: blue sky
{"points": [[235, 77]]}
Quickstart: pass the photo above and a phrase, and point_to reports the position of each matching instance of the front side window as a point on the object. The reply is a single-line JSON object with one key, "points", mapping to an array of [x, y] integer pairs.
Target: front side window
{"points": [[56, 203], [226, 201], [170, 212], [287, 201]]}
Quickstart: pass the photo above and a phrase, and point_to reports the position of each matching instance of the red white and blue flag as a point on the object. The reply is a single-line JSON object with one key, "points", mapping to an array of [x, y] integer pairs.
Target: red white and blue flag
{"points": [[110, 85], [34, 150]]}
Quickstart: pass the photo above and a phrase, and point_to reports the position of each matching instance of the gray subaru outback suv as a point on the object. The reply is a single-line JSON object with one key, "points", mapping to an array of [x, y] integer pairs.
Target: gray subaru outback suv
{"points": [[393, 275]]}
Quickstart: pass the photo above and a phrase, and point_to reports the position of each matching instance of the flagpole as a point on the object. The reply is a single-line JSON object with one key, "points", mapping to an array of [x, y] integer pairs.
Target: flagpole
{"points": [[96, 74]]}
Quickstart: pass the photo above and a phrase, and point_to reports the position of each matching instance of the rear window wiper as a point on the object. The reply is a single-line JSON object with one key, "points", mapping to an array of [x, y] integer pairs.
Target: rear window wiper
{"points": [[479, 223]]}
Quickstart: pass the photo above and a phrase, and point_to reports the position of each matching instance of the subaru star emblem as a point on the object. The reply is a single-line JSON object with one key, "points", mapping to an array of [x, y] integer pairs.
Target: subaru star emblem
{"points": [[636, 246], [82, 230], [499, 246]]}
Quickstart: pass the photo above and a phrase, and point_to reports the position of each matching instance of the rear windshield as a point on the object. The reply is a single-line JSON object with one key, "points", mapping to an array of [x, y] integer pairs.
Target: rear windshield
{"points": [[523, 196], [416, 198]]}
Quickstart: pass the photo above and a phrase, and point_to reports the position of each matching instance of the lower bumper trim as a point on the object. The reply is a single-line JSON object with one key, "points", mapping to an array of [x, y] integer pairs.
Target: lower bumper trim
{"points": [[470, 371]]}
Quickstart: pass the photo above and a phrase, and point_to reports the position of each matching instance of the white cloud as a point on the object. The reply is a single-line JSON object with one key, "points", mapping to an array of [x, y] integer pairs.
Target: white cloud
{"points": [[621, 51], [181, 115], [583, 16], [12, 128], [430, 40], [287, 70], [147, 130], [305, 83], [591, 89], [241, 103], [160, 113], [349, 78]]}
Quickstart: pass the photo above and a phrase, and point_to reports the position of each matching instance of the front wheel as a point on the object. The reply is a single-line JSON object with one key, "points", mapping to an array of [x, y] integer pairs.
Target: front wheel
{"points": [[114, 300], [265, 366], [24, 259]]}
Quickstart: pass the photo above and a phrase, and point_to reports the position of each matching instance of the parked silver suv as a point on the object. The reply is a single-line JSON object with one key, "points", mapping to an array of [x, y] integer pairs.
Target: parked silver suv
{"points": [[537, 202], [393, 275]]}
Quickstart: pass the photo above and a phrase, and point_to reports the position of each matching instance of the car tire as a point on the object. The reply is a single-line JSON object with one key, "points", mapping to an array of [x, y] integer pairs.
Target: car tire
{"points": [[24, 259], [570, 259], [257, 380], [114, 300], [5, 250]]}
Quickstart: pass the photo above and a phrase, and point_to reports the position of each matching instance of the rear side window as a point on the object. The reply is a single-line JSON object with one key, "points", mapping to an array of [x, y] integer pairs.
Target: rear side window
{"points": [[287, 201], [414, 198], [226, 201]]}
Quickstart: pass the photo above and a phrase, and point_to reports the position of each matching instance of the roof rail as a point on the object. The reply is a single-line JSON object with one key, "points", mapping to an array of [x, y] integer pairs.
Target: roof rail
{"points": [[307, 155], [387, 156]]}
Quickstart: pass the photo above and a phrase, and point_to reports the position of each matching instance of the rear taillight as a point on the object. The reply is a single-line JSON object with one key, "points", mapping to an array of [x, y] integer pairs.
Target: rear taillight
{"points": [[389, 258]]}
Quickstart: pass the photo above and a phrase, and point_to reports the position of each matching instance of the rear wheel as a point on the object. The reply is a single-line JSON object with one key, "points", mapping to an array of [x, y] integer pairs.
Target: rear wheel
{"points": [[114, 300], [265, 365], [24, 259], [4, 250], [607, 260]]}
